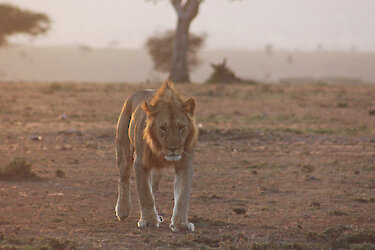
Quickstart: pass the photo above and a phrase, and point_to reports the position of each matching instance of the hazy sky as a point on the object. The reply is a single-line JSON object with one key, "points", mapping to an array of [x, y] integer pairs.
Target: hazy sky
{"points": [[250, 24]]}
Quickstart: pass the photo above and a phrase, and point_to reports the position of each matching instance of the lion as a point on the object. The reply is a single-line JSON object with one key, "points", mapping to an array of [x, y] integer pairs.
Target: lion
{"points": [[156, 130]]}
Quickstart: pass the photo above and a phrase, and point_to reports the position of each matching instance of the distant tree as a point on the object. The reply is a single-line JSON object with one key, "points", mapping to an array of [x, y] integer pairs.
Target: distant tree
{"points": [[289, 58], [319, 47], [269, 49], [14, 20], [160, 48], [186, 11]]}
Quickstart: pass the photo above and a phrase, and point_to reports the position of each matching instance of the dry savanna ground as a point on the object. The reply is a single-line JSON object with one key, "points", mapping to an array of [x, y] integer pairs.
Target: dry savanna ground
{"points": [[276, 166]]}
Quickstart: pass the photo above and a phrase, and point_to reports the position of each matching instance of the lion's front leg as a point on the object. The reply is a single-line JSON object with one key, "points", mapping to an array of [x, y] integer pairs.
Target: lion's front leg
{"points": [[149, 216], [182, 190], [155, 177]]}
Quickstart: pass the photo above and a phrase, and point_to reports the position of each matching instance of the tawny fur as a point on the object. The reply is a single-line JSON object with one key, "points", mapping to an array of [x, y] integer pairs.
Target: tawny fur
{"points": [[156, 130], [166, 96]]}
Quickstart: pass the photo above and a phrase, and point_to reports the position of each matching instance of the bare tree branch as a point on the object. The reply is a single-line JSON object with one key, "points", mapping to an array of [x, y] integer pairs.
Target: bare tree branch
{"points": [[191, 8], [186, 9], [177, 6], [14, 20]]}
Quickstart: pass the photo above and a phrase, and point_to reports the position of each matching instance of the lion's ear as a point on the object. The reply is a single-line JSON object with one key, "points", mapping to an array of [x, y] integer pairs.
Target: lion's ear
{"points": [[189, 106], [149, 108]]}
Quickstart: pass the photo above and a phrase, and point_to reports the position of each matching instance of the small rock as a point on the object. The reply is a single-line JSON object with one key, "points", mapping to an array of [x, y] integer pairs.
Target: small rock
{"points": [[71, 131], [55, 194], [64, 147], [311, 178], [307, 169], [266, 190], [338, 213], [314, 204], [254, 172], [59, 173], [35, 137], [92, 145], [371, 112], [75, 162], [215, 196], [63, 117], [239, 210]]}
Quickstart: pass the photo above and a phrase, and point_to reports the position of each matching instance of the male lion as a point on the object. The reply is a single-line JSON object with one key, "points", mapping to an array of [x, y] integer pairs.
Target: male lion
{"points": [[156, 130]]}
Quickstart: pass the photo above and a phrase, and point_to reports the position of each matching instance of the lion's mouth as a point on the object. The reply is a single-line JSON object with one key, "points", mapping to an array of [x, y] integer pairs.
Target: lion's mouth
{"points": [[172, 157]]}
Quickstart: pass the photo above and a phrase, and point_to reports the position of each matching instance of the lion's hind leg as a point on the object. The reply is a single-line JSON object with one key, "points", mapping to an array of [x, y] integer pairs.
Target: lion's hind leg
{"points": [[124, 162], [124, 157]]}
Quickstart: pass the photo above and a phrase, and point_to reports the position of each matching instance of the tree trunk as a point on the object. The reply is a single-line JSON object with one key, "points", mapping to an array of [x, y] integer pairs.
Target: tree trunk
{"points": [[179, 68], [186, 12]]}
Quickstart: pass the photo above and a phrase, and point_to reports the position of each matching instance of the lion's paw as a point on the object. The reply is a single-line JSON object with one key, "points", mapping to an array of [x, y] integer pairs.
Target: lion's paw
{"points": [[142, 223], [122, 212], [182, 227]]}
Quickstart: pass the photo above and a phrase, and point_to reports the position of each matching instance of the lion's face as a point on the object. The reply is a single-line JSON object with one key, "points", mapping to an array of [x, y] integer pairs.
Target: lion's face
{"points": [[170, 128]]}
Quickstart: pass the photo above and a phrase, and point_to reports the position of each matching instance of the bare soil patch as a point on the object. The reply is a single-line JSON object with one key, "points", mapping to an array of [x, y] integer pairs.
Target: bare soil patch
{"points": [[276, 166]]}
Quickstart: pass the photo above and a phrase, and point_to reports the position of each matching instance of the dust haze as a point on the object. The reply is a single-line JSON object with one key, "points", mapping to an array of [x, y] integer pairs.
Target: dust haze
{"points": [[84, 64], [104, 41]]}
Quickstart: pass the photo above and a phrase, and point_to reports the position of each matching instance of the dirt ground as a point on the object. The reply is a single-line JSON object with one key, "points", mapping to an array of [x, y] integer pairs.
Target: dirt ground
{"points": [[276, 166]]}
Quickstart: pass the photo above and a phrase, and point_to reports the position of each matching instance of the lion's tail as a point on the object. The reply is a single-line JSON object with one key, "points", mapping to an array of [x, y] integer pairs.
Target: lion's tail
{"points": [[122, 140]]}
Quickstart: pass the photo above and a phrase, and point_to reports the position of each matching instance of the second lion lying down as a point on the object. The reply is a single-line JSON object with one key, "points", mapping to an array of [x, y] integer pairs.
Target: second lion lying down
{"points": [[156, 130]]}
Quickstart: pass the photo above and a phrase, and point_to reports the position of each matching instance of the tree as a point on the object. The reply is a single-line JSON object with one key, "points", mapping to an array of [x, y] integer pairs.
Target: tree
{"points": [[186, 11], [14, 20], [160, 48]]}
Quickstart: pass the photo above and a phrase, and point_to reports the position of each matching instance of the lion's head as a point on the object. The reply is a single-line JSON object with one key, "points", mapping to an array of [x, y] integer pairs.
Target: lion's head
{"points": [[170, 128]]}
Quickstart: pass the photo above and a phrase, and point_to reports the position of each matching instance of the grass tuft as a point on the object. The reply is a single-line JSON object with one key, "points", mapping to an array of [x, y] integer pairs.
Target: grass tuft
{"points": [[19, 169], [45, 243], [59, 173], [57, 243]]}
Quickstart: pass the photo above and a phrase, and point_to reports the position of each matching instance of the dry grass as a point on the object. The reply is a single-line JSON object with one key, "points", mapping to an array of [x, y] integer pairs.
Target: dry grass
{"points": [[19, 169], [276, 167], [45, 243]]}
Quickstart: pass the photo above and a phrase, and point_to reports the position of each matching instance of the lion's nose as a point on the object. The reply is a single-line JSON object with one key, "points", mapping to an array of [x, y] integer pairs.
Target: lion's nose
{"points": [[172, 149]]}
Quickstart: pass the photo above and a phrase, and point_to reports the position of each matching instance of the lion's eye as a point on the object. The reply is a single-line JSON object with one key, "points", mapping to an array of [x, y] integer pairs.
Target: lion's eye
{"points": [[163, 129], [181, 128]]}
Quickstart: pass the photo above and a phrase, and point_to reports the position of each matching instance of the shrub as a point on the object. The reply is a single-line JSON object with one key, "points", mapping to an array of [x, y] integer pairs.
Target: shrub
{"points": [[18, 170]]}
